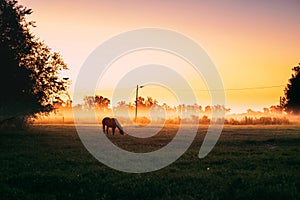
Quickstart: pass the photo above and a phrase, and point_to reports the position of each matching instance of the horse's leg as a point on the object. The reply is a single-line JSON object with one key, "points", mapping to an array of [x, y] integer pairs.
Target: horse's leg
{"points": [[113, 130], [103, 128], [107, 130]]}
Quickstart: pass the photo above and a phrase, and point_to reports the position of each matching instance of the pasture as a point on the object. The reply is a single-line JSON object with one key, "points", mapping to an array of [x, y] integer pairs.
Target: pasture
{"points": [[248, 162]]}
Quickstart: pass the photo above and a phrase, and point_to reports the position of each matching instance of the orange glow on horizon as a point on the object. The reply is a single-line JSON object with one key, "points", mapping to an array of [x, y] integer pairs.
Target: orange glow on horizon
{"points": [[252, 43]]}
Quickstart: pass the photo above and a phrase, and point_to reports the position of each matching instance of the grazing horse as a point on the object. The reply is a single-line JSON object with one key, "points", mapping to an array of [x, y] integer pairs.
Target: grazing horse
{"points": [[113, 123]]}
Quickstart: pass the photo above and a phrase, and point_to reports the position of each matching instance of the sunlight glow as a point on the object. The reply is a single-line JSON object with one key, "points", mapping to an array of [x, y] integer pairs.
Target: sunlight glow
{"points": [[252, 43]]}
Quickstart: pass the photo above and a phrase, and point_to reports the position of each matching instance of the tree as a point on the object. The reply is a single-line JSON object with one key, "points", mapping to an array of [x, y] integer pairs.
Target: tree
{"points": [[30, 72], [89, 102], [101, 102], [291, 100]]}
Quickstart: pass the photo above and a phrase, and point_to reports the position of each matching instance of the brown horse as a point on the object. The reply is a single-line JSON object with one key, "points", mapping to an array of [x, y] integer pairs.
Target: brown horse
{"points": [[113, 123]]}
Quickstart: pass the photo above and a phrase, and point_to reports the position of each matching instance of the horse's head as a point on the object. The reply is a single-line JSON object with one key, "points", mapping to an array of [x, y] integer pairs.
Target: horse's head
{"points": [[121, 132]]}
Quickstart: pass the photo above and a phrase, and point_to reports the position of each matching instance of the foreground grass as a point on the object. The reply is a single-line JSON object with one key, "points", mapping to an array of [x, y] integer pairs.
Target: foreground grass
{"points": [[49, 162]]}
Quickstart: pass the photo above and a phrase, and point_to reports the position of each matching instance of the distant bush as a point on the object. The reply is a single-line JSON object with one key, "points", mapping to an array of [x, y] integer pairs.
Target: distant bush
{"points": [[258, 121]]}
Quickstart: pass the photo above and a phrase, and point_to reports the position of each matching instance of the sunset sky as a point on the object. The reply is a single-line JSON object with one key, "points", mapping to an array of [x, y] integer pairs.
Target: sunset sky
{"points": [[252, 43]]}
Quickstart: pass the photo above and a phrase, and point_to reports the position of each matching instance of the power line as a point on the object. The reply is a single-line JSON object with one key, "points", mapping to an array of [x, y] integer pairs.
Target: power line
{"points": [[245, 88], [228, 89]]}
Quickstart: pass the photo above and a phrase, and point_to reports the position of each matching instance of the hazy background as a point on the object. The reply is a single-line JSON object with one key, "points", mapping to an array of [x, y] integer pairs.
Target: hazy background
{"points": [[253, 43]]}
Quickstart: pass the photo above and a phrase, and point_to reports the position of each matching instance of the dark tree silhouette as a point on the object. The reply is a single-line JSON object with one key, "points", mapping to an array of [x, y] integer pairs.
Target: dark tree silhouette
{"points": [[101, 102], [98, 102], [291, 100], [30, 72]]}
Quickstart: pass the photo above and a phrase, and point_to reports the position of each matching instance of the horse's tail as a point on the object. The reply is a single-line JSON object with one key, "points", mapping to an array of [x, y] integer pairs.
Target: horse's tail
{"points": [[119, 126], [104, 123]]}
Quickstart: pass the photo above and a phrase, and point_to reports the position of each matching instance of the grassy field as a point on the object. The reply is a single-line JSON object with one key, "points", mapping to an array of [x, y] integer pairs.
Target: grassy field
{"points": [[248, 162]]}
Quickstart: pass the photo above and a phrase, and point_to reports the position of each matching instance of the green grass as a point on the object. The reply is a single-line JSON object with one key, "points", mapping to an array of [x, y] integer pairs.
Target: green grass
{"points": [[49, 162]]}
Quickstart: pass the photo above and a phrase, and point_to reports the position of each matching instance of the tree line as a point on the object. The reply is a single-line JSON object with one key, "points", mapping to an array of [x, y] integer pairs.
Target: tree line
{"points": [[31, 81]]}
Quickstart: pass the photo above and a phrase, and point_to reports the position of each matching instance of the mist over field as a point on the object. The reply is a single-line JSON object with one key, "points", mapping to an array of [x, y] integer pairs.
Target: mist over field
{"points": [[148, 117]]}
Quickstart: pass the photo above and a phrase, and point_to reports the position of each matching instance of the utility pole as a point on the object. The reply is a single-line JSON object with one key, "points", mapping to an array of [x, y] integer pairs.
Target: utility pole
{"points": [[136, 100]]}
